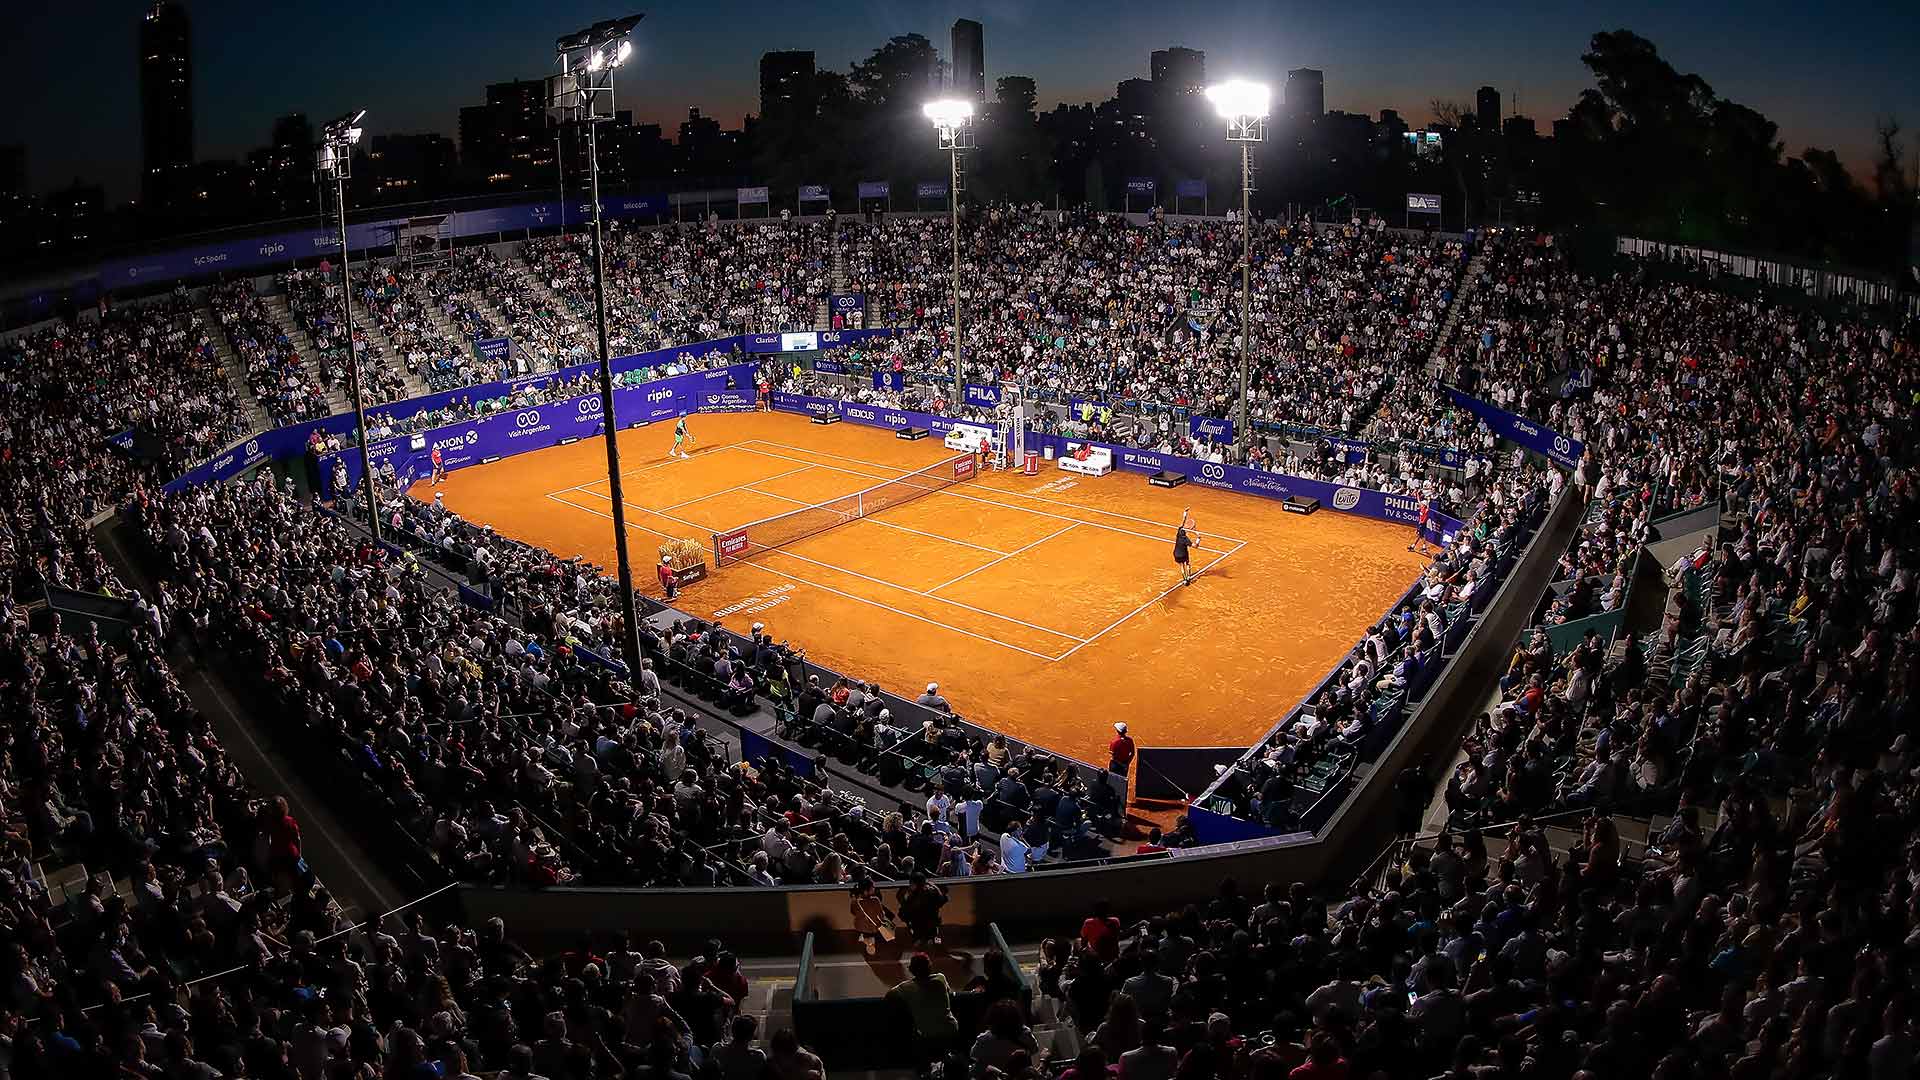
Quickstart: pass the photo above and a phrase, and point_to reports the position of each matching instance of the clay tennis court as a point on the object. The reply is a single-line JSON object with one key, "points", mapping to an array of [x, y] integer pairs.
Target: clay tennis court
{"points": [[1047, 606]]}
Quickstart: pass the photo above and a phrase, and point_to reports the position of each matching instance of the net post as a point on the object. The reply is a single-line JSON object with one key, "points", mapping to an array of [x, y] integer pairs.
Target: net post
{"points": [[716, 550]]}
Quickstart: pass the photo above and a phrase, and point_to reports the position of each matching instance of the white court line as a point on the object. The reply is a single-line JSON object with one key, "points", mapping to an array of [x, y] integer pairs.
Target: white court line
{"points": [[1116, 623], [1004, 491], [748, 486], [877, 521], [916, 592], [850, 596], [1168, 539], [555, 496], [852, 573], [1004, 558]]}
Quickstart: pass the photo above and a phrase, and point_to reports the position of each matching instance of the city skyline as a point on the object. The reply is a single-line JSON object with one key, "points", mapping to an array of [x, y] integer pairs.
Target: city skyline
{"points": [[415, 76]]}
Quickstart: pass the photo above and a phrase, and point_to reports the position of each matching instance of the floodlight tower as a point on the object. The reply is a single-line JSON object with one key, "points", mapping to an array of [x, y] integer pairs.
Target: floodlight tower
{"points": [[336, 160], [1243, 105], [582, 92], [953, 117]]}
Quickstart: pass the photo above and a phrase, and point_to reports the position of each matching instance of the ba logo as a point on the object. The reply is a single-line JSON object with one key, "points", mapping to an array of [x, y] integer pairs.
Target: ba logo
{"points": [[1562, 445], [472, 437], [1346, 498], [253, 447], [1213, 472], [270, 250], [526, 419], [589, 406]]}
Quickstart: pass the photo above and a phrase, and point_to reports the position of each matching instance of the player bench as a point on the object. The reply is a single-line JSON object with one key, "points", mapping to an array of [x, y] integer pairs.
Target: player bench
{"points": [[1098, 462]]}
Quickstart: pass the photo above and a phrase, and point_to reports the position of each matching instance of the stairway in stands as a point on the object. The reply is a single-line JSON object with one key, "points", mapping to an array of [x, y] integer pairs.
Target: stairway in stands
{"points": [[837, 283], [1469, 285], [258, 419]]}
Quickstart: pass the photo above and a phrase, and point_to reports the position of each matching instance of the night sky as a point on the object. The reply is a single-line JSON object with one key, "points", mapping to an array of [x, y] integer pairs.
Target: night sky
{"points": [[1823, 73]]}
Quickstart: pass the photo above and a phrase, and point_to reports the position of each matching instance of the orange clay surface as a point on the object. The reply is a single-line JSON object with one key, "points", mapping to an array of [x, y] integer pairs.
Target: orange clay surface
{"points": [[1046, 606]]}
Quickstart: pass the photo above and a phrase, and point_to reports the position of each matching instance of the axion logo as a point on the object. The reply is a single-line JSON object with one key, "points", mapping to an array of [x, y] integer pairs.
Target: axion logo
{"points": [[527, 419], [1213, 472], [591, 406], [1346, 498], [270, 250]]}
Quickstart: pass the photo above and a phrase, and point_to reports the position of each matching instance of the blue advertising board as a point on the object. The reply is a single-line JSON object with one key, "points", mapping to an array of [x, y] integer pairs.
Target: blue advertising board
{"points": [[1210, 428], [890, 380], [498, 351], [930, 189], [875, 189], [847, 302], [1191, 189], [813, 193], [983, 394], [1141, 185], [1548, 443], [829, 367]]}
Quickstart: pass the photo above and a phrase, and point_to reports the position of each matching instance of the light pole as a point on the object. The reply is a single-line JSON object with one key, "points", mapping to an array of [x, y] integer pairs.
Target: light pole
{"points": [[1243, 105], [336, 160], [560, 173], [582, 92], [954, 119]]}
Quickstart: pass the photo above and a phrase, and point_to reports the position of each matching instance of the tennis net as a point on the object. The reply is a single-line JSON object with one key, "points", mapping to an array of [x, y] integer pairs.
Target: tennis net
{"points": [[743, 542]]}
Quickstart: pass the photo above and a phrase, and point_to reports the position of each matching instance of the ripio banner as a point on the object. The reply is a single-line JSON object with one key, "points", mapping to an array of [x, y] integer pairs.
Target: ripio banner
{"points": [[1532, 435]]}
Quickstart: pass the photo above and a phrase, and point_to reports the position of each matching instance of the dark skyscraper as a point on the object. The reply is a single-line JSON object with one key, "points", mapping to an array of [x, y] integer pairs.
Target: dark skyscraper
{"points": [[1486, 108], [507, 142], [1178, 70], [969, 60], [1306, 93], [786, 82], [166, 97]]}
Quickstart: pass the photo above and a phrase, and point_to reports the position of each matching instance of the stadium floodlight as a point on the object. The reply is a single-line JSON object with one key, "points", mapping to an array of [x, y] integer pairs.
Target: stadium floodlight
{"points": [[953, 118], [1244, 105], [337, 140], [582, 93]]}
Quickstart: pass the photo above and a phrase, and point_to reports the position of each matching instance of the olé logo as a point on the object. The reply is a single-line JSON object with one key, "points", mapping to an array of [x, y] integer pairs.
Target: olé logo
{"points": [[589, 406], [270, 250], [1562, 446], [1346, 498], [1213, 472], [527, 419]]}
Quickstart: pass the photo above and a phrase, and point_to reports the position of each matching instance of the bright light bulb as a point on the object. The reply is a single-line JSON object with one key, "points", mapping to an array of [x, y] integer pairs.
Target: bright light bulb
{"points": [[1240, 99], [597, 61], [626, 50]]}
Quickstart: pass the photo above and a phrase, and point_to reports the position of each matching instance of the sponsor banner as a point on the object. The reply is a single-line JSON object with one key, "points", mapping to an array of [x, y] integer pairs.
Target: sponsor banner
{"points": [[1422, 204], [930, 189], [518, 431], [498, 351], [1191, 189], [799, 341], [1141, 185], [813, 193], [875, 189], [829, 367], [1348, 451], [1087, 410], [122, 441], [1210, 428], [890, 380], [1403, 509], [749, 195], [963, 469], [1548, 443], [847, 302], [732, 544], [983, 394]]}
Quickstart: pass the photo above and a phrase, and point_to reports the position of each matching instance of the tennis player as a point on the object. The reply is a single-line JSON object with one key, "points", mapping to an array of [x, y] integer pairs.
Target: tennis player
{"points": [[1420, 530], [1182, 542], [681, 438], [439, 468]]}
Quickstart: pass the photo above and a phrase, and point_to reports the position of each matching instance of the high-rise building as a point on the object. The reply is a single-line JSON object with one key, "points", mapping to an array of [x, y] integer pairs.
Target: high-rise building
{"points": [[1486, 108], [282, 171], [416, 166], [786, 82], [969, 60], [1306, 93], [507, 142], [166, 97], [1179, 70]]}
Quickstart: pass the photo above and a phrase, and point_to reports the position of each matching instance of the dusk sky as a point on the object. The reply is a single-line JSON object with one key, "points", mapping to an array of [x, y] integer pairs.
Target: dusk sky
{"points": [[1822, 72]]}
